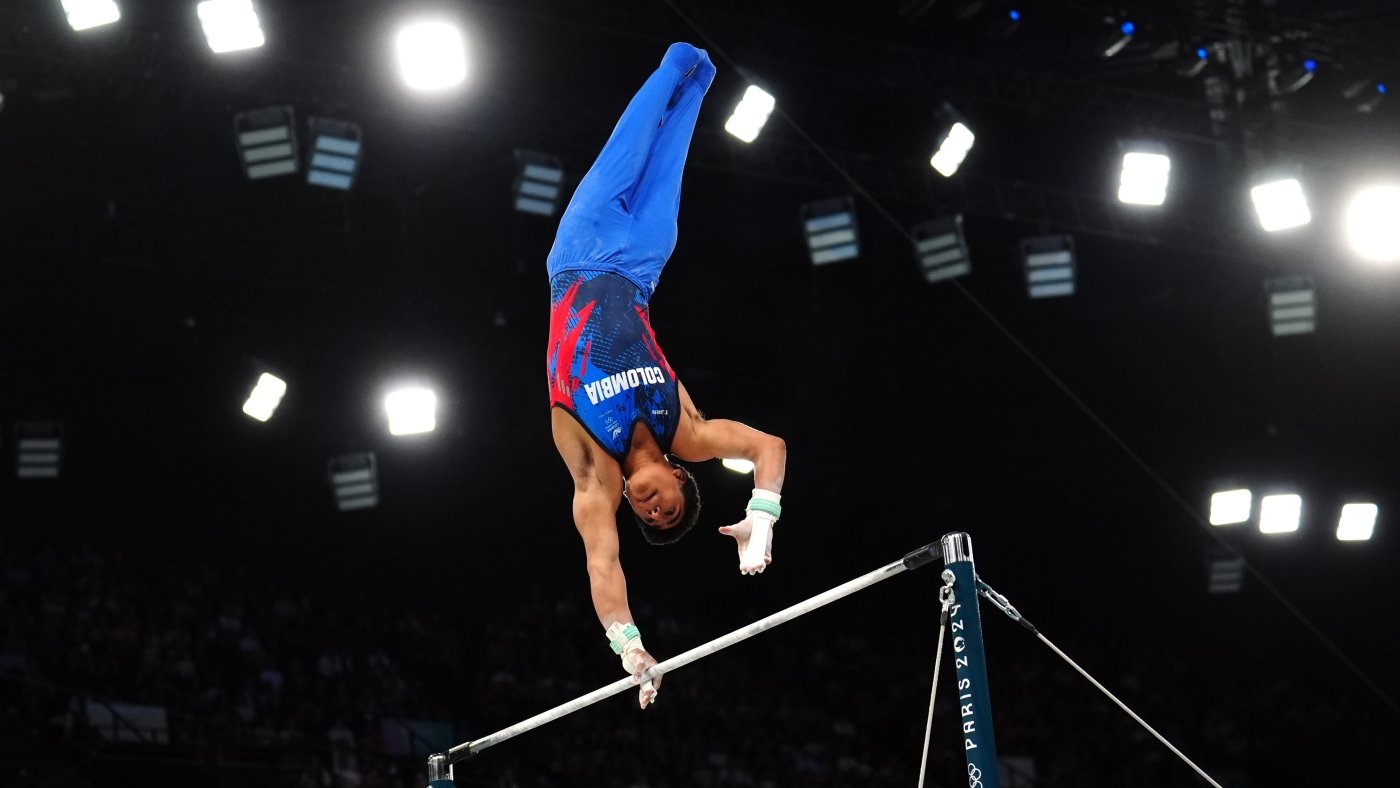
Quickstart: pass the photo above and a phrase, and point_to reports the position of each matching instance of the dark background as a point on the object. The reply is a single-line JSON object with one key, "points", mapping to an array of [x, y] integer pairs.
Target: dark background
{"points": [[144, 283]]}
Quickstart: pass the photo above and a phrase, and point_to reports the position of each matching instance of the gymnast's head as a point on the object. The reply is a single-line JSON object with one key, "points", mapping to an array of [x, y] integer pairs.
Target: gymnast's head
{"points": [[664, 500]]}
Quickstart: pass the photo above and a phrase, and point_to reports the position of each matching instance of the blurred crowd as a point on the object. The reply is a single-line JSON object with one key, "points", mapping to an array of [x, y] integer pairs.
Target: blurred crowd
{"points": [[330, 691]]}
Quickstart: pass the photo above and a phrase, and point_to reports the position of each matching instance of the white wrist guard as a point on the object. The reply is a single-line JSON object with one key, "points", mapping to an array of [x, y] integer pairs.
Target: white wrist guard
{"points": [[765, 504], [625, 639], [762, 513]]}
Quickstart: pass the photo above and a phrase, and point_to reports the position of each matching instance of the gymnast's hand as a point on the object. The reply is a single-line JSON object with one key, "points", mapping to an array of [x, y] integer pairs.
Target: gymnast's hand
{"points": [[754, 535], [638, 661]]}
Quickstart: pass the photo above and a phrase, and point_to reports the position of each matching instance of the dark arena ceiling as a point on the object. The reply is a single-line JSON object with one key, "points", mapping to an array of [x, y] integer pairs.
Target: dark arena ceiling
{"points": [[145, 283]]}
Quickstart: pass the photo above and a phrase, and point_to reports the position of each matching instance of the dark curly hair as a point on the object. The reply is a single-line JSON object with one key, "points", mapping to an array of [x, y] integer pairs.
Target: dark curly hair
{"points": [[691, 495]]}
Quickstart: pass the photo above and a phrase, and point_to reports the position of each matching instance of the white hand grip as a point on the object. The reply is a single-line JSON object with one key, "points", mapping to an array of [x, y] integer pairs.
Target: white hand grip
{"points": [[752, 561]]}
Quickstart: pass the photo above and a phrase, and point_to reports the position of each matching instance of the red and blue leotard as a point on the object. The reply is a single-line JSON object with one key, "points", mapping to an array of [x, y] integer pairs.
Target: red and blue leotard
{"points": [[614, 238], [604, 365]]}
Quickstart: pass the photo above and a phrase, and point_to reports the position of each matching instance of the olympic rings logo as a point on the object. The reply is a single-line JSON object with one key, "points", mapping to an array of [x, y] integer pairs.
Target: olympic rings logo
{"points": [[974, 776]]}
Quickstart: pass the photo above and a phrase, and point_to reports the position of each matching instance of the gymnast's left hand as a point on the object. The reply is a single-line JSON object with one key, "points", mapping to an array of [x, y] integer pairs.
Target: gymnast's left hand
{"points": [[754, 535]]}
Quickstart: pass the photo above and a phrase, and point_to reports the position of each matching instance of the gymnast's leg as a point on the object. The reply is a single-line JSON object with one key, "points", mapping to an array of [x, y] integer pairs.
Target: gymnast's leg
{"points": [[596, 224], [656, 200]]}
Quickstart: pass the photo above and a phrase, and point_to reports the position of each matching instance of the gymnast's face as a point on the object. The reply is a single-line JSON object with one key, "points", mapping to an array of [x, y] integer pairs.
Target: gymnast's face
{"points": [[654, 493]]}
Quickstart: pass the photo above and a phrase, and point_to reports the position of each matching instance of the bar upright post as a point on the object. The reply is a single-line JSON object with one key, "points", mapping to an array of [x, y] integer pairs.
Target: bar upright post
{"points": [[440, 771], [974, 701]]}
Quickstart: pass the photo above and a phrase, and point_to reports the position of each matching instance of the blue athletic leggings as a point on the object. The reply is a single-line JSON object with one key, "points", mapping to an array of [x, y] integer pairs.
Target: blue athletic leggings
{"points": [[622, 217]]}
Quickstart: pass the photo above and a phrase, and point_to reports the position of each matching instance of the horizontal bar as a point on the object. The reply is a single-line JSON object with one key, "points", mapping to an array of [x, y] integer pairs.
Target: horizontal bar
{"points": [[913, 560]]}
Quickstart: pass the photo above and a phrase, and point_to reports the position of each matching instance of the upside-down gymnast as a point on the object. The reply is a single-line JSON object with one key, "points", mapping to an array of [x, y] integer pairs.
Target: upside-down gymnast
{"points": [[620, 416]]}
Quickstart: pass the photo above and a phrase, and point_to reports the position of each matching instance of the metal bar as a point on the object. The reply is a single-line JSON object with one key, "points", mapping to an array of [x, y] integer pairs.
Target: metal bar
{"points": [[974, 699], [461, 752]]}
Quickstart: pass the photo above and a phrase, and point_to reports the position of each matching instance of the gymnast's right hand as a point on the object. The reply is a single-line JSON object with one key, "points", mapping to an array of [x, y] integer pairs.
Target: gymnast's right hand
{"points": [[637, 661], [626, 642]]}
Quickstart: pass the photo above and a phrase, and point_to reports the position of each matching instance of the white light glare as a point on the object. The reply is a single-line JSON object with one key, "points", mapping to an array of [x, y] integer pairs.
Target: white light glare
{"points": [[1280, 205], [1373, 223], [954, 149], [1144, 179], [267, 394], [230, 25], [738, 466], [431, 55], [1230, 506], [1357, 522], [83, 14], [751, 113], [1279, 514], [411, 411]]}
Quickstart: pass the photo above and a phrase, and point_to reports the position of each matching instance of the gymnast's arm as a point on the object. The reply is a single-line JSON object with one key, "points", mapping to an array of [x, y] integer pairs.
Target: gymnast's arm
{"points": [[597, 493], [732, 440], [701, 439], [595, 517]]}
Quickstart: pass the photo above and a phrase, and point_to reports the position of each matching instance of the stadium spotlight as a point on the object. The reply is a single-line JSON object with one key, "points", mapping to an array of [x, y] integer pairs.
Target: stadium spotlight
{"points": [[1224, 572], [942, 248], [954, 141], [1146, 172], [412, 411], [38, 449], [354, 479], [738, 466], [1373, 223], [831, 230], [266, 396], [1279, 514], [230, 25], [1049, 264], [335, 153], [1357, 523], [85, 14], [1229, 507], [432, 56], [1365, 95], [1118, 37], [1280, 204], [1292, 305], [750, 114], [539, 185], [267, 144]]}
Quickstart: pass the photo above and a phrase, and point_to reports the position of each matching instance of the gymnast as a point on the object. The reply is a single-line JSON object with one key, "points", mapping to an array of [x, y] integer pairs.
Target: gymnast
{"points": [[620, 417]]}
